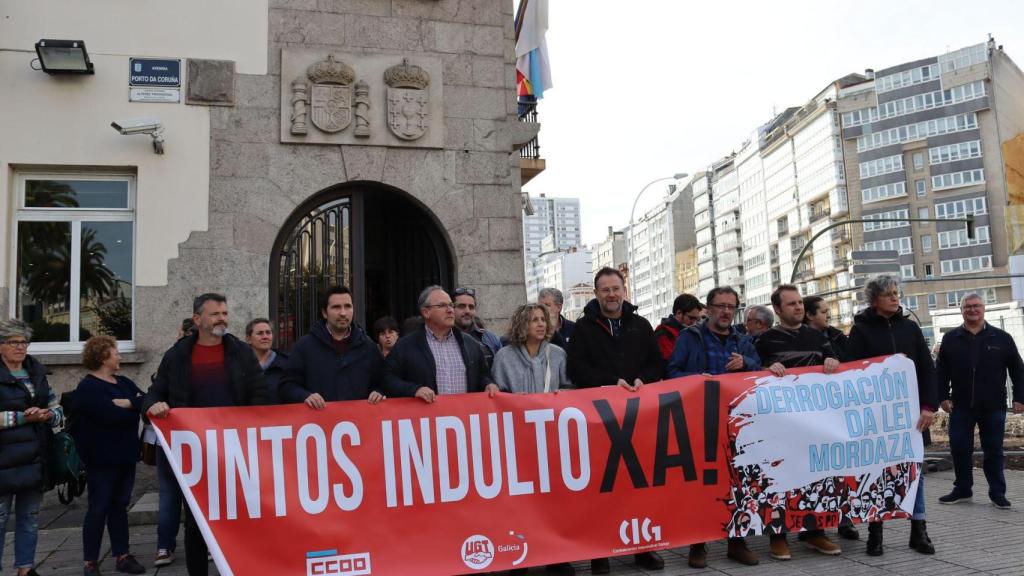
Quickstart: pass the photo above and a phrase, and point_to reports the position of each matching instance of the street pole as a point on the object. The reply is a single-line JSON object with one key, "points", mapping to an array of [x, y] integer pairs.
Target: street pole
{"points": [[969, 220], [632, 213]]}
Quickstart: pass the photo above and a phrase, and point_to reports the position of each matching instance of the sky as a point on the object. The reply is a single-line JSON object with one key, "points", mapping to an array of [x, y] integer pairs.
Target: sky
{"points": [[649, 88]]}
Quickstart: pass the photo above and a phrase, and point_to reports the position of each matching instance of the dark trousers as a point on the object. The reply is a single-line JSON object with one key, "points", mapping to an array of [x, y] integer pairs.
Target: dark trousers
{"points": [[991, 428], [110, 492], [169, 516], [196, 551]]}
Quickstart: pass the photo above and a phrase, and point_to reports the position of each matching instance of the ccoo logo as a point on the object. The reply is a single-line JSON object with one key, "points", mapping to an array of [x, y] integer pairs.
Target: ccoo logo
{"points": [[477, 552], [635, 530]]}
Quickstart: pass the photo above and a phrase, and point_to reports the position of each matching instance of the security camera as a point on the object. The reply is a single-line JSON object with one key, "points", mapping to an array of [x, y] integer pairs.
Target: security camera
{"points": [[151, 126]]}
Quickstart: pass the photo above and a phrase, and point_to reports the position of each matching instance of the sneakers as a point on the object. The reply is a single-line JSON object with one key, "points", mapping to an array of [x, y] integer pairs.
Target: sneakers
{"points": [[822, 544], [779, 548], [163, 558], [90, 569], [737, 550], [1000, 502], [698, 557], [954, 497], [127, 564]]}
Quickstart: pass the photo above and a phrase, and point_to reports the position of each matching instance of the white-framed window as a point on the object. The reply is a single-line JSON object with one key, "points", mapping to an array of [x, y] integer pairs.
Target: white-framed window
{"points": [[958, 238], [73, 259], [961, 208], [892, 214], [917, 131], [922, 212], [953, 298], [910, 302], [886, 165], [910, 77], [965, 265], [933, 301], [926, 243], [915, 103], [907, 271], [884, 192], [928, 270], [954, 152], [958, 179], [918, 161], [901, 245], [921, 191]]}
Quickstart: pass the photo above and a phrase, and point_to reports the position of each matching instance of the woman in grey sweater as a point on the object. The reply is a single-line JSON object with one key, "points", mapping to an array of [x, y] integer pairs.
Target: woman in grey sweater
{"points": [[530, 363]]}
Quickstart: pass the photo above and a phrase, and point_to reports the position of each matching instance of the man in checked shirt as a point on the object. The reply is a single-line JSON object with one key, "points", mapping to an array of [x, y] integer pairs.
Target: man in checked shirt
{"points": [[437, 359]]}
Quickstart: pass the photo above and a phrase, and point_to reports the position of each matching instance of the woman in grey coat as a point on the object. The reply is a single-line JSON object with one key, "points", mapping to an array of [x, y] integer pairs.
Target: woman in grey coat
{"points": [[530, 363]]}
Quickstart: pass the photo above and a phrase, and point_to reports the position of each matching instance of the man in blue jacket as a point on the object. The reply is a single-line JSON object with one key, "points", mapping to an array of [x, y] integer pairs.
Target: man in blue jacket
{"points": [[335, 361], [973, 362], [715, 347]]}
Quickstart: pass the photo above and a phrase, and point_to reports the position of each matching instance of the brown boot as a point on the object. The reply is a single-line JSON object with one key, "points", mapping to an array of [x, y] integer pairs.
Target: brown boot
{"points": [[738, 551], [823, 544], [779, 547], [698, 557]]}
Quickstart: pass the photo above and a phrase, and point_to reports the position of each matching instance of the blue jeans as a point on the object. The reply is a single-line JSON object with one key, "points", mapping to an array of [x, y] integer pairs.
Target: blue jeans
{"points": [[991, 428], [169, 515], [919, 501], [110, 493], [26, 525]]}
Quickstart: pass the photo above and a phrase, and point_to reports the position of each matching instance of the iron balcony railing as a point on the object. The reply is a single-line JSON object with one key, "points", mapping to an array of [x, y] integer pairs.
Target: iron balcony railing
{"points": [[528, 113]]}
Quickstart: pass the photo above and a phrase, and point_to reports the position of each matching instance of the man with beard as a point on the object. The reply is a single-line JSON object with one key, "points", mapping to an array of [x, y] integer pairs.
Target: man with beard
{"points": [[336, 361], [791, 344], [209, 368], [466, 320], [613, 346], [715, 347]]}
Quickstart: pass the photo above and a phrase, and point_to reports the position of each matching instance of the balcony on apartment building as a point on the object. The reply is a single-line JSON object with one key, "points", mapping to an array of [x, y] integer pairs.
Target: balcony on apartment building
{"points": [[816, 213], [530, 161], [840, 234]]}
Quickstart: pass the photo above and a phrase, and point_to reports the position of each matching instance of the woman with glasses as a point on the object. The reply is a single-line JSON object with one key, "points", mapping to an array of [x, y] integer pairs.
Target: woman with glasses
{"points": [[27, 408], [883, 329]]}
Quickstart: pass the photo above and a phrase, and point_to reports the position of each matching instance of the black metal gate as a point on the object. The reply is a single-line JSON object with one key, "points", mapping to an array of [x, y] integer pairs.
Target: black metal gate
{"points": [[316, 255]]}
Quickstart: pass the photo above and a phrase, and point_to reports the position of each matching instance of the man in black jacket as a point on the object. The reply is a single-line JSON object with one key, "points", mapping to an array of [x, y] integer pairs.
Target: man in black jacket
{"points": [[792, 344], [554, 300], [613, 346], [974, 360], [209, 368], [336, 360], [437, 359], [883, 329]]}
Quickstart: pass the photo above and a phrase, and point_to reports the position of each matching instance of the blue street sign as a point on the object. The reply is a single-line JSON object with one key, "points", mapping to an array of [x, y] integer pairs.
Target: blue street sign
{"points": [[154, 72]]}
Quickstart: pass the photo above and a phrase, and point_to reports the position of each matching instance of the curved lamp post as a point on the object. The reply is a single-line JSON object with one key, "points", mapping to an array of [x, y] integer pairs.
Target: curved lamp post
{"points": [[632, 213]]}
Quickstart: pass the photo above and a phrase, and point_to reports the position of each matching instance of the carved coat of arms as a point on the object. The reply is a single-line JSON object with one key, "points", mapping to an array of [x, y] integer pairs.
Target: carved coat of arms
{"points": [[331, 94], [408, 100]]}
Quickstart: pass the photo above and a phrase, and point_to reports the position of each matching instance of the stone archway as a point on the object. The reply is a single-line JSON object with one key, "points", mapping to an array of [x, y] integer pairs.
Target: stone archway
{"points": [[376, 239]]}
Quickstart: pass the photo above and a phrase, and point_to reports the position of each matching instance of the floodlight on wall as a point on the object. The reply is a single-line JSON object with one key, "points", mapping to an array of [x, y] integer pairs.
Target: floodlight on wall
{"points": [[64, 57]]}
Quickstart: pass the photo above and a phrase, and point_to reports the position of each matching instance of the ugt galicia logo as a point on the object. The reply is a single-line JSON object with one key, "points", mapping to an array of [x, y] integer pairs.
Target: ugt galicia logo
{"points": [[477, 552]]}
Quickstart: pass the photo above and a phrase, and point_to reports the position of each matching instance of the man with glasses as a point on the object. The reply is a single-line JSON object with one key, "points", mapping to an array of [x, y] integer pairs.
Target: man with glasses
{"points": [[973, 363], [438, 359], [466, 320], [716, 347], [686, 311], [614, 346]]}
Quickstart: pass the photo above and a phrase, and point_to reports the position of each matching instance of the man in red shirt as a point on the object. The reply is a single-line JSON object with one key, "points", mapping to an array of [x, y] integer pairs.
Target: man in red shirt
{"points": [[208, 368]]}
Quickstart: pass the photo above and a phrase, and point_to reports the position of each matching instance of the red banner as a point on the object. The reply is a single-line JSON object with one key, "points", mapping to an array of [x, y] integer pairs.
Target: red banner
{"points": [[471, 483]]}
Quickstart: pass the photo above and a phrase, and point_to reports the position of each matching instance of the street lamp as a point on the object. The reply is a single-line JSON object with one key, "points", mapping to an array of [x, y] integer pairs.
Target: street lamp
{"points": [[64, 57], [632, 213]]}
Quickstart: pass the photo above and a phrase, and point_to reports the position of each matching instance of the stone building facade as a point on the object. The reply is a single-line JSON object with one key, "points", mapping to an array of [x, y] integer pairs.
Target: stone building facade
{"points": [[449, 196]]}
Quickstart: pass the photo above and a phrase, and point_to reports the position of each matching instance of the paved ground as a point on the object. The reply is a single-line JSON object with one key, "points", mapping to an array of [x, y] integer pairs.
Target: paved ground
{"points": [[973, 538]]}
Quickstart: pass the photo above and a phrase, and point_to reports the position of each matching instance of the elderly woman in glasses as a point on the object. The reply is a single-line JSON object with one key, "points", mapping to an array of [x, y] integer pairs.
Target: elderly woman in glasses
{"points": [[882, 329], [27, 407]]}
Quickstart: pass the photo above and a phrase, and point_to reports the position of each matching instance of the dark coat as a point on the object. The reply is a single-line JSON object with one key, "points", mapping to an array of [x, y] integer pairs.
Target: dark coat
{"points": [[874, 335], [839, 342], [272, 375], [410, 365], [172, 383], [316, 366], [23, 448], [563, 335], [107, 434], [805, 347], [972, 369], [596, 358]]}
